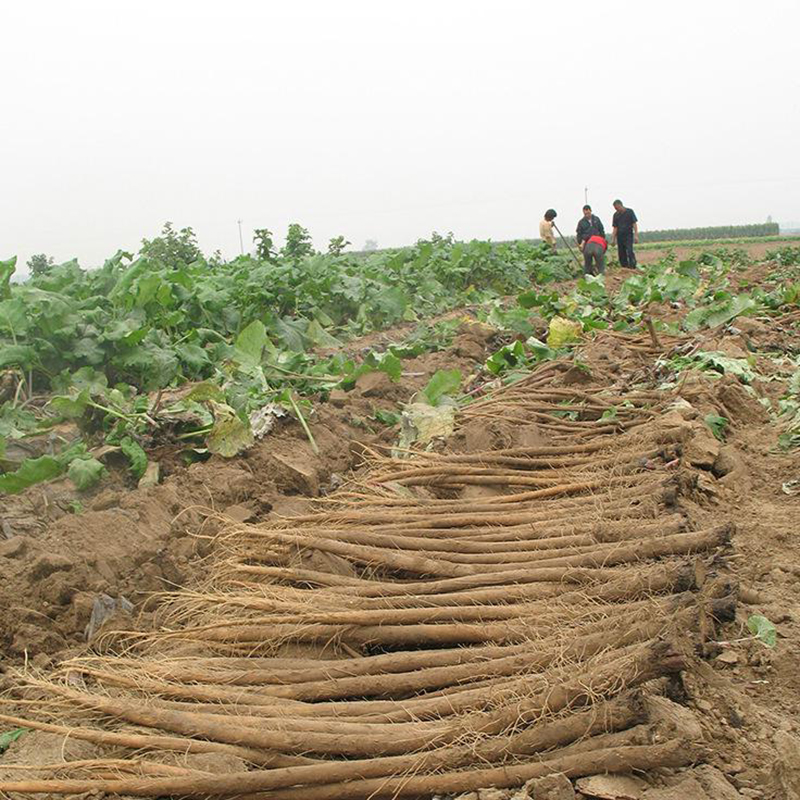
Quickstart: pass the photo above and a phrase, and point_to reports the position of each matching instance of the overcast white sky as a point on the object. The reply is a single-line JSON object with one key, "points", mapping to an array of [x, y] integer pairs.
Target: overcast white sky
{"points": [[389, 120]]}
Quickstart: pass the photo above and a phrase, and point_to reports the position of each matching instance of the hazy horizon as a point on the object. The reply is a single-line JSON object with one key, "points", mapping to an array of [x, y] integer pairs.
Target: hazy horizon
{"points": [[388, 122]]}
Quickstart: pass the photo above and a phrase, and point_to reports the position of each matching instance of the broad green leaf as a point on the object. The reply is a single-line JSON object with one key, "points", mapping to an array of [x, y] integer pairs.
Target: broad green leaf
{"points": [[120, 329], [763, 629], [194, 357], [510, 355], [30, 472], [250, 344], [7, 269], [318, 336], [146, 288], [93, 381], [70, 406], [85, 473], [443, 382], [14, 316], [7, 738], [393, 303], [229, 437], [533, 300], [386, 362], [17, 355], [136, 456], [292, 333]]}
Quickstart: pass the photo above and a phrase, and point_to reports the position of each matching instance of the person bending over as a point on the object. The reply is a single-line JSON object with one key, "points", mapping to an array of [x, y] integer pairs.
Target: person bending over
{"points": [[591, 238]]}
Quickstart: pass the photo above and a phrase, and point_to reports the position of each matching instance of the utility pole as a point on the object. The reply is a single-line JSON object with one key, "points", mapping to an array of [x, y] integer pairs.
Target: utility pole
{"points": [[586, 195], [241, 241]]}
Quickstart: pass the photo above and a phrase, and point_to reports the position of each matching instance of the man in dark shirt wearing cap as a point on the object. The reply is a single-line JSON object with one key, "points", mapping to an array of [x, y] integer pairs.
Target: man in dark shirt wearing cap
{"points": [[625, 232], [592, 241]]}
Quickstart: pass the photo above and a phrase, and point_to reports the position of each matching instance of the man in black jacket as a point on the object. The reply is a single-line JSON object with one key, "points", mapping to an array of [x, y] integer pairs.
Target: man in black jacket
{"points": [[592, 241], [625, 233]]}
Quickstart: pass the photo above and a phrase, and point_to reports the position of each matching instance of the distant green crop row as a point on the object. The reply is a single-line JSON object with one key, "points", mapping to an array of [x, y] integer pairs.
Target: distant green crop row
{"points": [[704, 243]]}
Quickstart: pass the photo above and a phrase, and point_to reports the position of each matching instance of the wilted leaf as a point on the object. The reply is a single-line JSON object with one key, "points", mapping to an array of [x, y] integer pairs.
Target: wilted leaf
{"points": [[738, 305], [85, 473], [563, 331], [763, 629], [421, 423], [151, 475], [229, 437]]}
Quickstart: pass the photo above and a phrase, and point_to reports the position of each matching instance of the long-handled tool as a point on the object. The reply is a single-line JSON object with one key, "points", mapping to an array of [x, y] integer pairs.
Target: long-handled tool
{"points": [[572, 252]]}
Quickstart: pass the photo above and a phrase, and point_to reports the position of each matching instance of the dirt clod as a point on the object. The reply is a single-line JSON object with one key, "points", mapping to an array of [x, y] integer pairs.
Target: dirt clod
{"points": [[14, 547], [552, 787], [48, 564]]}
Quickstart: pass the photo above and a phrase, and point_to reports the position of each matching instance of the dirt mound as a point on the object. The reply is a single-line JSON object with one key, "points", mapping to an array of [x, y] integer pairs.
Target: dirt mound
{"points": [[61, 552]]}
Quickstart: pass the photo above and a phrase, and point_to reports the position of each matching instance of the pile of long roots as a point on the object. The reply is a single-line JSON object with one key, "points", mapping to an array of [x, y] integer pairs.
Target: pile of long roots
{"points": [[449, 637]]}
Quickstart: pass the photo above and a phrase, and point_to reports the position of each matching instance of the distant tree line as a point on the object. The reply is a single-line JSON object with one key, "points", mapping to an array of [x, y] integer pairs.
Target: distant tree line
{"points": [[718, 232]]}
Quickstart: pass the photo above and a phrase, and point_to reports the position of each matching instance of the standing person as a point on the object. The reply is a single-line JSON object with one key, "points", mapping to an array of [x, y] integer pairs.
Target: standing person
{"points": [[591, 238], [546, 228], [625, 232]]}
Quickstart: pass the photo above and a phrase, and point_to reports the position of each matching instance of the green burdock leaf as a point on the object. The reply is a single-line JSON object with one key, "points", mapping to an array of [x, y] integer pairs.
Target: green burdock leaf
{"points": [[250, 344], [17, 355], [85, 473], [136, 456], [717, 425], [9, 737], [70, 406], [14, 316], [318, 336], [391, 365], [194, 357], [229, 437], [444, 382], [763, 629], [510, 355], [30, 472], [7, 269]]}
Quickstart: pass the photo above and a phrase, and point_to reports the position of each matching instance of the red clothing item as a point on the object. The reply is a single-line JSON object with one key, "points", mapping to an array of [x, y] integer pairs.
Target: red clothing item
{"points": [[599, 240]]}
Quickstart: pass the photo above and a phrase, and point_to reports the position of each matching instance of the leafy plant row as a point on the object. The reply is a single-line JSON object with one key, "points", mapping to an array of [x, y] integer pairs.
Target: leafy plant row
{"points": [[108, 346]]}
